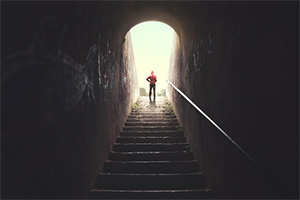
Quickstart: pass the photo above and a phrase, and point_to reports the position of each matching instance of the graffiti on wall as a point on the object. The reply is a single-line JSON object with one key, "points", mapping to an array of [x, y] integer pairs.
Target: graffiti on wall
{"points": [[106, 68], [42, 80], [43, 83], [202, 52]]}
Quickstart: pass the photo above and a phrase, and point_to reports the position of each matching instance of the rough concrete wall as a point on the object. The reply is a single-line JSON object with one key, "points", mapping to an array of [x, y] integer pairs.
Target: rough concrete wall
{"points": [[118, 89], [65, 95], [239, 63]]}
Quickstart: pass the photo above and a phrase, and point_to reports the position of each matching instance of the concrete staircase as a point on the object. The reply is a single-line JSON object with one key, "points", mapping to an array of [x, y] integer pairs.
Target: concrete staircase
{"points": [[151, 159]]}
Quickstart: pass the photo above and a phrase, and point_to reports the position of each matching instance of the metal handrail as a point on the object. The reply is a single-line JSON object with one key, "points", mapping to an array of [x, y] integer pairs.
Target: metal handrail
{"points": [[227, 136]]}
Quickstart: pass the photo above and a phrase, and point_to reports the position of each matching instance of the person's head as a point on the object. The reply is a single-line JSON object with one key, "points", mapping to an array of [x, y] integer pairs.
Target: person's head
{"points": [[152, 72]]}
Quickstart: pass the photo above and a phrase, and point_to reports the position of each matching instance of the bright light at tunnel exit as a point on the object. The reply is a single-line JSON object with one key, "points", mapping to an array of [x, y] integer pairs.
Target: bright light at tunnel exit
{"points": [[152, 43]]}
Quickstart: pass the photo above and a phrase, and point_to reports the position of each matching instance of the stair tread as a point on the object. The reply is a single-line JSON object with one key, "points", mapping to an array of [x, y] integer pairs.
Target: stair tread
{"points": [[151, 140], [146, 155], [149, 122], [153, 131], [151, 194], [138, 191], [151, 137], [162, 131], [150, 116], [150, 144], [151, 161], [148, 127], [151, 113], [152, 174], [148, 112], [151, 152], [136, 124], [152, 119]]}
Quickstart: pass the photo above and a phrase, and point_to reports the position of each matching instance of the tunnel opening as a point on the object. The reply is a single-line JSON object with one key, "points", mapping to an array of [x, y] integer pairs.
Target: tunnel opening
{"points": [[152, 43]]}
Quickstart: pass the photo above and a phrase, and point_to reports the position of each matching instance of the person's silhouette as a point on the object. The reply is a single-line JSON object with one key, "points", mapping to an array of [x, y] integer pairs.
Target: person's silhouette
{"points": [[152, 79]]}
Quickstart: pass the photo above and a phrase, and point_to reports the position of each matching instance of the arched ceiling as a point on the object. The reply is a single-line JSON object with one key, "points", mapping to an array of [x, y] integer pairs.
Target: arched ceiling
{"points": [[133, 13]]}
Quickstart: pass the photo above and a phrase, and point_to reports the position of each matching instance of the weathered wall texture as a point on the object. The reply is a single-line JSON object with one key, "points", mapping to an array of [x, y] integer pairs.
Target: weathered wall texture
{"points": [[239, 63], [67, 83]]}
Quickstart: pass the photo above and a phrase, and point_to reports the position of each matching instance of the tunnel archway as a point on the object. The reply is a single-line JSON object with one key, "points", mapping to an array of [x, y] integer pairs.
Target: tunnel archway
{"points": [[152, 43], [141, 12]]}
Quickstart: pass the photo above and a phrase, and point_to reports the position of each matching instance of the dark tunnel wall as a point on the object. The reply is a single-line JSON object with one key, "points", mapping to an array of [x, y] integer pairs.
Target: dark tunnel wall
{"points": [[238, 61], [67, 84], [67, 91]]}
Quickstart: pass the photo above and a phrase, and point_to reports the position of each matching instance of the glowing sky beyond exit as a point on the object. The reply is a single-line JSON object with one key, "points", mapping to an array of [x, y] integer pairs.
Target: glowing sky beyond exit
{"points": [[152, 42]]}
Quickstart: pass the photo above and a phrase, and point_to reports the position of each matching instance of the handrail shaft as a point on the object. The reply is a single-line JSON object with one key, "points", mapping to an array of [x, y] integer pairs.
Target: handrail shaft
{"points": [[228, 137], [209, 119]]}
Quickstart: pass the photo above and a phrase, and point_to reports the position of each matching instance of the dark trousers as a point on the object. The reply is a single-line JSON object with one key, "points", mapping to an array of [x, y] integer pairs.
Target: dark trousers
{"points": [[150, 91]]}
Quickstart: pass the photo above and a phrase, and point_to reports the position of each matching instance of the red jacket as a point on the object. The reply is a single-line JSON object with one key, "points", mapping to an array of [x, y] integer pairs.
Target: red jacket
{"points": [[152, 78]]}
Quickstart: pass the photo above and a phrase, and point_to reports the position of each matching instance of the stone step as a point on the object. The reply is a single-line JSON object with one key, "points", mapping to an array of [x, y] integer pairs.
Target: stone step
{"points": [[151, 133], [121, 147], [149, 128], [174, 181], [151, 156], [151, 159], [153, 116], [151, 113], [151, 123], [158, 108], [150, 167], [150, 194], [172, 120], [149, 139]]}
